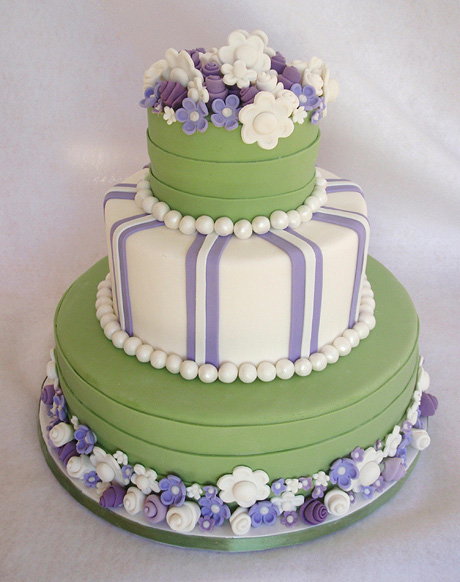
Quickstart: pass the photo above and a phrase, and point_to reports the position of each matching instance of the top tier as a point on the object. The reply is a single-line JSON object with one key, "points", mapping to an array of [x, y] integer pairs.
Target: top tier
{"points": [[233, 131]]}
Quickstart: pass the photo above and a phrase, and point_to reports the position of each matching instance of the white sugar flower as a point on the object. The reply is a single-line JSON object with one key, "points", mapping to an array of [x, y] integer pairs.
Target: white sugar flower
{"points": [[417, 397], [211, 56], [244, 486], [180, 67], [238, 74], [197, 91], [266, 120], [248, 48], [267, 50], [75, 422], [169, 115], [369, 469], [145, 479], [293, 485], [194, 491], [289, 96], [412, 413], [288, 501], [321, 479], [318, 75], [392, 442], [107, 468], [267, 81], [299, 65], [154, 73], [299, 115], [120, 457]]}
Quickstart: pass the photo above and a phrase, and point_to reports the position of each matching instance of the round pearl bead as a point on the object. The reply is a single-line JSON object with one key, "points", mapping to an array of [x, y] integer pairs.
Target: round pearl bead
{"points": [[160, 210], [247, 373], [243, 229], [204, 224], [187, 225], [143, 185], [313, 203], [303, 367], [366, 284], [285, 369], [279, 220], [423, 383], [266, 371], [119, 338], [131, 344], [331, 353], [207, 373], [368, 319], [106, 318], [352, 336], [320, 193], [368, 301], [294, 218], [148, 204], [367, 293], [318, 361], [188, 369], [158, 359], [172, 219], [141, 196], [223, 226], [104, 301], [173, 362], [228, 373], [320, 182], [111, 328], [365, 308], [144, 352], [362, 329], [342, 345], [305, 213], [103, 284], [261, 224], [104, 292], [103, 309]]}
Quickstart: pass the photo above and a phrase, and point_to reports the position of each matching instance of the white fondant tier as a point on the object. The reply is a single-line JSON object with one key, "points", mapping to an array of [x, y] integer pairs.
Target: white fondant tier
{"points": [[281, 295]]}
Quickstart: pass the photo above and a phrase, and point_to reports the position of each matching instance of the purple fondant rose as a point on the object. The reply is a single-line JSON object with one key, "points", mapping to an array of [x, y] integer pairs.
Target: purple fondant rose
{"points": [[393, 469], [278, 62], [428, 404], [216, 88], [47, 394], [154, 510], [313, 512], [289, 76], [263, 512], [172, 94], [195, 54], [211, 68], [248, 94], [67, 451], [193, 116], [173, 491], [112, 496]]}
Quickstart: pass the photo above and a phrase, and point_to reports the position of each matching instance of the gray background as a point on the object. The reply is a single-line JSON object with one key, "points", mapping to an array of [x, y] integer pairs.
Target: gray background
{"points": [[71, 75]]}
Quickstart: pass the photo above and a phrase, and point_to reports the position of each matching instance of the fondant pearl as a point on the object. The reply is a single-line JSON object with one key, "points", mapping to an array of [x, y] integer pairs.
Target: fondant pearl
{"points": [[261, 224], [187, 225], [160, 210], [243, 229], [420, 439], [266, 371], [131, 344], [369, 473], [172, 219], [158, 359], [106, 318], [228, 373], [303, 367], [207, 373], [320, 193], [305, 213], [362, 329], [104, 292], [352, 336], [331, 353], [103, 309], [368, 301], [149, 203], [103, 284], [143, 185], [188, 369], [204, 224], [423, 383], [111, 328], [279, 220], [247, 373], [285, 369], [367, 292], [223, 226], [365, 308], [368, 319], [141, 196], [144, 352], [320, 182], [173, 362], [119, 338], [318, 361], [366, 284], [294, 218], [103, 301], [342, 345], [313, 203]]}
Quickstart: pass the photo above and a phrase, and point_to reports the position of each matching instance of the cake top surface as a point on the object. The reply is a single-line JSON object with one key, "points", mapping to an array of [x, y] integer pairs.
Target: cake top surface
{"points": [[244, 85]]}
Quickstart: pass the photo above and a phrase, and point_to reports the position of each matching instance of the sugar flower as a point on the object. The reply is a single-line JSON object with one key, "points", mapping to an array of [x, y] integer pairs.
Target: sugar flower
{"points": [[306, 95], [278, 487], [107, 468], [299, 115], [173, 491], [321, 479], [249, 48], [169, 115], [337, 502], [197, 91], [226, 112], [294, 485], [244, 486], [263, 512], [154, 73], [238, 74], [369, 469], [86, 440], [288, 501], [342, 472], [392, 442], [206, 523], [145, 479], [194, 491], [120, 457], [193, 116], [180, 67], [289, 518], [151, 96], [214, 507]]}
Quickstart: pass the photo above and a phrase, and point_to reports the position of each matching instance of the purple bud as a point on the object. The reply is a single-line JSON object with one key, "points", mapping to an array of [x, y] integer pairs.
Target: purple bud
{"points": [[195, 54], [428, 404], [211, 68], [313, 511], [248, 94], [172, 94], [278, 62], [67, 451], [289, 76], [154, 510], [112, 496], [216, 88], [393, 469], [48, 394]]}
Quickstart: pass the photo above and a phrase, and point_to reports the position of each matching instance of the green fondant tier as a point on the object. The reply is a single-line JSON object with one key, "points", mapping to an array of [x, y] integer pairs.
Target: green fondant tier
{"points": [[201, 431], [217, 174]]}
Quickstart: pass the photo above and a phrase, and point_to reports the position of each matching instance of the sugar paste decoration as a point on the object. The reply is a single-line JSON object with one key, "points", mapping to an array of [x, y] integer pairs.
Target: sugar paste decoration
{"points": [[245, 499], [268, 94]]}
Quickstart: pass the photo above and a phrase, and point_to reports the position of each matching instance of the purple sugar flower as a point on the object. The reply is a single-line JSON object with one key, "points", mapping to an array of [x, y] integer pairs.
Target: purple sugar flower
{"points": [[406, 427], [60, 407], [401, 451], [342, 472], [47, 394], [278, 487], [206, 523], [289, 518], [226, 112], [318, 491], [379, 484], [126, 471], [91, 479], [357, 454], [193, 116], [151, 96], [306, 483], [215, 508], [211, 68], [86, 440], [419, 423], [352, 496], [367, 491], [378, 445], [263, 512], [306, 95], [173, 491], [210, 490]]}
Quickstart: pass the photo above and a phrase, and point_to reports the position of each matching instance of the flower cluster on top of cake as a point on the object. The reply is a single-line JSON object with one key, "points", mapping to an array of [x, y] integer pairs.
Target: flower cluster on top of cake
{"points": [[243, 83]]}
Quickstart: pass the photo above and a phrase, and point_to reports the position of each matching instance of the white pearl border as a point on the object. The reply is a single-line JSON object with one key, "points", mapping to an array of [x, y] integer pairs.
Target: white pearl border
{"points": [[229, 372], [224, 226]]}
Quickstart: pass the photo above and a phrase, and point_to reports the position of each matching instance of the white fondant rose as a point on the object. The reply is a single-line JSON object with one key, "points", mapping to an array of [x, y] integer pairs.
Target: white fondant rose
{"points": [[314, 79], [337, 502], [299, 65], [420, 439], [78, 466], [154, 73], [107, 468], [266, 120], [267, 81], [244, 486], [392, 442], [145, 479], [194, 491], [423, 382], [180, 67], [288, 501], [369, 469], [240, 522], [133, 501], [61, 434], [245, 47], [197, 91], [238, 74], [183, 518]]}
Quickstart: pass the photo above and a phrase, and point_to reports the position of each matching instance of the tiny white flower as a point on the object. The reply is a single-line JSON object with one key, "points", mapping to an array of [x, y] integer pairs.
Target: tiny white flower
{"points": [[169, 115], [238, 74], [74, 421], [145, 479], [299, 115], [197, 91], [288, 501], [321, 479], [293, 485], [392, 442], [121, 458], [194, 491]]}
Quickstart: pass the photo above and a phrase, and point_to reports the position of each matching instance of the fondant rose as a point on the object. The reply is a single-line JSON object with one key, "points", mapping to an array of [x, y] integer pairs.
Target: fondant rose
{"points": [[112, 496], [172, 94], [133, 501], [420, 439], [428, 404], [244, 486], [183, 518], [68, 451], [267, 81], [337, 502], [393, 469], [313, 512], [248, 94], [195, 54], [210, 68], [78, 466], [61, 434], [154, 510], [47, 394], [240, 521], [289, 76], [278, 62], [216, 88]]}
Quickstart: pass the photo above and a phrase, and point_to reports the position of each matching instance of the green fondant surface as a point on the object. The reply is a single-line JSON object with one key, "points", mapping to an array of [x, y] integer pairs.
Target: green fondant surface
{"points": [[200, 431]]}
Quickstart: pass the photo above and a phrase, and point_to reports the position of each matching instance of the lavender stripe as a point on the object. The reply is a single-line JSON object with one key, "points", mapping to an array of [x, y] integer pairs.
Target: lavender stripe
{"points": [[119, 195], [318, 289], [124, 268], [337, 180], [344, 188], [125, 185], [190, 292], [212, 299], [297, 292], [361, 232], [347, 211]]}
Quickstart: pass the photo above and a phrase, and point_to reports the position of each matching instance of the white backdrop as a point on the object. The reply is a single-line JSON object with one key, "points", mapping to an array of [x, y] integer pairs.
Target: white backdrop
{"points": [[71, 74]]}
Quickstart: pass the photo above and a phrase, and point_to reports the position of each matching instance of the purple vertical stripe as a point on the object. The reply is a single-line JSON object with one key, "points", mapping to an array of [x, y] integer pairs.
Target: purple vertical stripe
{"points": [[344, 188], [361, 232], [297, 292], [212, 299], [114, 195], [318, 289], [190, 292], [124, 267]]}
